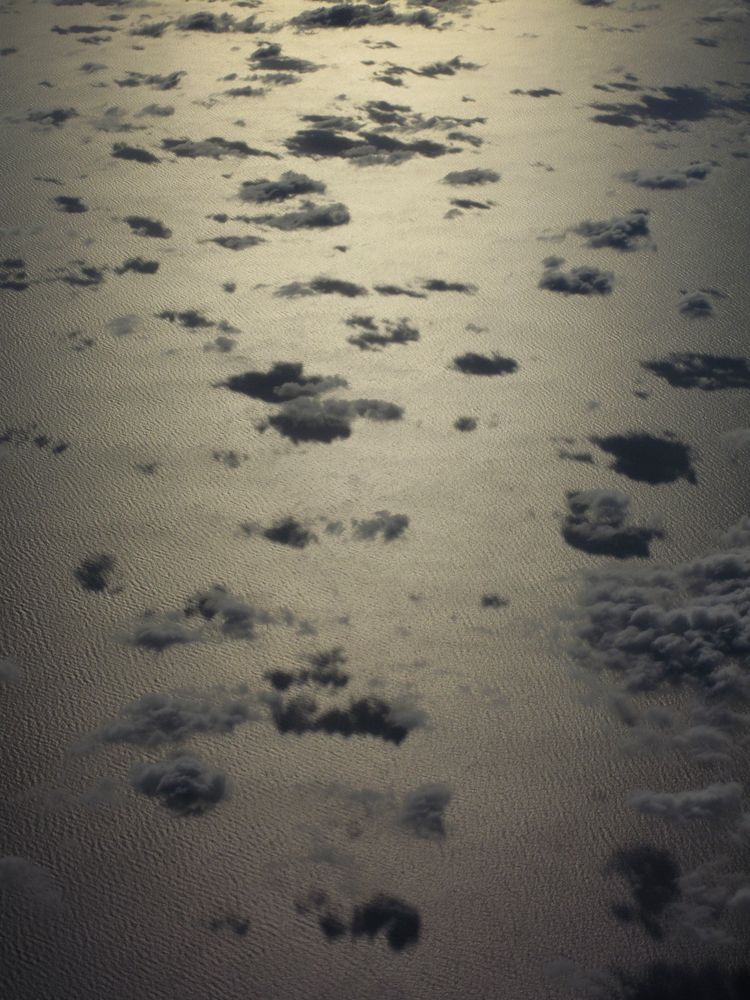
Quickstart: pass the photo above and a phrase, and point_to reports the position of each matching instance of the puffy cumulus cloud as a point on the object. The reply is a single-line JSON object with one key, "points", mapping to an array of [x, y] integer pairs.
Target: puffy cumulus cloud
{"points": [[141, 225], [368, 716], [715, 801], [290, 532], [193, 319], [687, 624], [284, 380], [13, 274], [156, 81], [269, 57], [584, 280], [25, 879], [472, 363], [690, 370], [621, 232], [80, 274], [423, 810], [136, 154], [440, 285], [206, 20], [171, 718], [155, 111], [670, 108], [397, 920], [596, 523], [393, 73], [289, 185], [711, 903], [370, 338], [56, 117], [538, 92], [313, 419], [308, 216], [670, 179], [70, 204], [238, 618], [652, 876], [215, 147], [360, 15], [696, 305], [235, 242], [185, 785], [364, 148], [96, 573], [384, 524], [320, 286], [648, 458], [137, 265], [325, 669], [475, 175]]}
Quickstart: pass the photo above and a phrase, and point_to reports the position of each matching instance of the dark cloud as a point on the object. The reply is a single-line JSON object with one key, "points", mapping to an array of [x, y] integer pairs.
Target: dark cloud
{"points": [[137, 265], [192, 319], [359, 15], [439, 285], [539, 92], [423, 810], [312, 419], [13, 275], [662, 981], [284, 380], [647, 458], [652, 876], [268, 56], [398, 290], [370, 338], [289, 185], [172, 718], [150, 29], [289, 531], [384, 524], [494, 601], [321, 286], [696, 305], [368, 716], [204, 20], [465, 424], [364, 149], [674, 108], [141, 225], [673, 178], [398, 921], [156, 111], [308, 216], [238, 618], [95, 573], [121, 151], [70, 203], [585, 280], [713, 802], [236, 242], [596, 523], [55, 117], [159, 634], [325, 670], [80, 274], [621, 232], [158, 82], [709, 372], [472, 363], [185, 785], [214, 148]]}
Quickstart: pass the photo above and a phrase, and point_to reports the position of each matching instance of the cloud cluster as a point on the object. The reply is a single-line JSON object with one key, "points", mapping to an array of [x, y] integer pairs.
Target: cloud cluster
{"points": [[185, 785], [289, 185], [308, 216], [321, 285], [473, 176], [324, 669], [368, 716], [672, 179], [710, 372], [283, 381], [370, 337], [359, 15], [215, 147], [585, 280], [621, 232], [383, 524], [596, 523], [141, 225]]}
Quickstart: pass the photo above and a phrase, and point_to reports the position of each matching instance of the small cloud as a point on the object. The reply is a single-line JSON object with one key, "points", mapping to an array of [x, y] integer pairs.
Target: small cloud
{"points": [[483, 364], [648, 458], [585, 280], [388, 526], [140, 225], [596, 523], [185, 785]]}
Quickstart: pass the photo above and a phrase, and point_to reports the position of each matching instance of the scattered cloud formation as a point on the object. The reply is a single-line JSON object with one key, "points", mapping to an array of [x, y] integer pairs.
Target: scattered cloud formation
{"points": [[472, 363], [647, 458], [70, 204], [289, 185], [369, 716], [184, 785], [423, 810], [370, 338], [214, 148], [308, 216], [122, 151], [140, 225], [652, 876], [397, 920], [596, 523], [696, 305], [672, 179], [473, 176], [171, 718], [283, 381], [621, 232], [359, 15], [710, 372], [382, 524], [288, 531], [321, 286], [137, 265], [585, 280]]}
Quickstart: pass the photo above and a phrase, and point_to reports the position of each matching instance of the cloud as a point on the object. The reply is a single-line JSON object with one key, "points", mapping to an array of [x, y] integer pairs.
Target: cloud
{"points": [[391, 290], [167, 82], [321, 286], [324, 670], [652, 875], [192, 319], [95, 573], [369, 716], [539, 92], [688, 370], [171, 718], [596, 523], [621, 232], [696, 305], [585, 280], [268, 56], [473, 176], [647, 458], [236, 242], [56, 117], [289, 185], [440, 285], [13, 275], [672, 109], [423, 810], [465, 424], [238, 618], [388, 526], [121, 151], [312, 419], [715, 801], [290, 532], [185, 785], [369, 337], [70, 204], [359, 15], [214, 148], [670, 179], [150, 29], [81, 274], [231, 922], [483, 364], [398, 921], [284, 380], [143, 226], [138, 265], [309, 216]]}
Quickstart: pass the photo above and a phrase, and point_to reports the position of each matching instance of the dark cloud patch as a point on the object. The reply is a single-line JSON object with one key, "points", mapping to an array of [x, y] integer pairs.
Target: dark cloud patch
{"points": [[96, 573], [652, 876], [80, 274], [18, 436], [621, 232], [397, 920], [221, 344], [321, 286], [647, 458], [309, 418], [172, 718], [308, 216], [82, 29], [370, 337], [539, 92], [269, 56], [157, 634], [382, 524], [715, 801], [289, 185], [141, 225], [440, 285], [138, 265], [325, 669], [708, 372], [596, 523], [576, 456], [156, 111], [235, 242], [674, 107], [136, 154], [238, 619], [393, 73], [185, 785], [229, 458], [150, 29], [674, 178], [217, 24], [469, 203], [494, 601], [391, 290], [284, 380], [288, 531], [585, 280], [368, 716], [157, 81], [475, 175], [13, 274], [472, 363], [360, 15], [465, 424], [214, 148], [423, 810], [70, 203], [56, 117], [696, 305], [363, 149], [245, 91], [192, 319]]}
